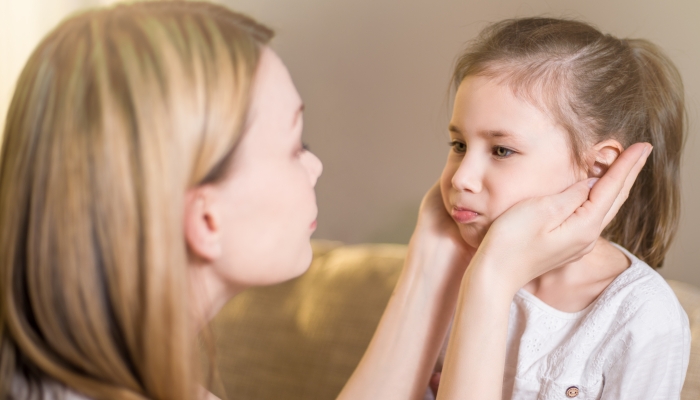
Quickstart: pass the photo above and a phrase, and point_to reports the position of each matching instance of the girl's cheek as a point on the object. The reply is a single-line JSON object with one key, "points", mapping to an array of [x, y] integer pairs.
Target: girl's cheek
{"points": [[446, 177]]}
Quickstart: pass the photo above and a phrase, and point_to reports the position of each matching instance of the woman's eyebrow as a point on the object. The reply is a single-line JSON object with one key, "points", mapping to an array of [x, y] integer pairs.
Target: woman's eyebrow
{"points": [[453, 128]]}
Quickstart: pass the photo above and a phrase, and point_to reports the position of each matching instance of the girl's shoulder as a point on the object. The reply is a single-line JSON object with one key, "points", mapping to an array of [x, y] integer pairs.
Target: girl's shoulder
{"points": [[640, 294]]}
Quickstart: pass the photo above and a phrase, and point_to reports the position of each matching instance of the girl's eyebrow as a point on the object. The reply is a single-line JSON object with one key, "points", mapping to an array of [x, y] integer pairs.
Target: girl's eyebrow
{"points": [[490, 133], [509, 136], [496, 133]]}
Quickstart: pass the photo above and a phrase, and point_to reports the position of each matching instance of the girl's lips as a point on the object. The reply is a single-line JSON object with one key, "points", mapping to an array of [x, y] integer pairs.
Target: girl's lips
{"points": [[313, 225], [463, 215]]}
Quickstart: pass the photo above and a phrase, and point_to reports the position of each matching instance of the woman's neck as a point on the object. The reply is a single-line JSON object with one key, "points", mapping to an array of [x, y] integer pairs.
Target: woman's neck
{"points": [[209, 292], [574, 286]]}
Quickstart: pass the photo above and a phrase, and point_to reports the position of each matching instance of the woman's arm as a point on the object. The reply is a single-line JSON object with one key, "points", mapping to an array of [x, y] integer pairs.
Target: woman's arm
{"points": [[402, 353], [529, 239]]}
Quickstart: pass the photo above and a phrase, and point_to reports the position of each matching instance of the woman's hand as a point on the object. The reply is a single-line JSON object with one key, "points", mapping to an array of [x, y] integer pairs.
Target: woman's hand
{"points": [[540, 234], [437, 230], [415, 322]]}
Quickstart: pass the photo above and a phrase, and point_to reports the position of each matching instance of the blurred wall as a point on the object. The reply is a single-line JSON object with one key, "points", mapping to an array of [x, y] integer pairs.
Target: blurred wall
{"points": [[374, 76], [23, 23]]}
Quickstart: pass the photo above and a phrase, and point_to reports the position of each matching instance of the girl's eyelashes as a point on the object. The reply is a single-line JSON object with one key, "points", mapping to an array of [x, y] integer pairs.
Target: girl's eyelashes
{"points": [[304, 146], [458, 147], [499, 152], [502, 152]]}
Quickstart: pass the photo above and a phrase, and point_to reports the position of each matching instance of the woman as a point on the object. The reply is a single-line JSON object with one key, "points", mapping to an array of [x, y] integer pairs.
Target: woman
{"points": [[152, 168]]}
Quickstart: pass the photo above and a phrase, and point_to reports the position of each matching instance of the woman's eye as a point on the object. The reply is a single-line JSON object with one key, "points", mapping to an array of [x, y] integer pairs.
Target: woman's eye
{"points": [[502, 152], [458, 146], [303, 148]]}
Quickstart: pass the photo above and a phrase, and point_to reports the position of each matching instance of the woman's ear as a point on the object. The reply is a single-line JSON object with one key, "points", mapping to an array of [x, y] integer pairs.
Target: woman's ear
{"points": [[602, 155], [202, 224]]}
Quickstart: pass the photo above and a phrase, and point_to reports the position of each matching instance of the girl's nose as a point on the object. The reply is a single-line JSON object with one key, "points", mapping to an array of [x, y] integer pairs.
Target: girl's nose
{"points": [[469, 175]]}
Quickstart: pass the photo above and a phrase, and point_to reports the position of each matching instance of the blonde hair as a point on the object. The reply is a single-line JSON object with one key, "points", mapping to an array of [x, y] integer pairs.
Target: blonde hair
{"points": [[598, 87], [117, 112]]}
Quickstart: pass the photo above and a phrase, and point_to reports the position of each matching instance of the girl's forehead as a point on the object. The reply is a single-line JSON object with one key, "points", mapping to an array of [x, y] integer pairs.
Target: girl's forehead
{"points": [[490, 109]]}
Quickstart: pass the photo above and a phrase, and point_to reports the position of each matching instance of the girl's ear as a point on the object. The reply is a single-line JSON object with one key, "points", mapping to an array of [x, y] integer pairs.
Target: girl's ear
{"points": [[602, 155], [202, 224]]}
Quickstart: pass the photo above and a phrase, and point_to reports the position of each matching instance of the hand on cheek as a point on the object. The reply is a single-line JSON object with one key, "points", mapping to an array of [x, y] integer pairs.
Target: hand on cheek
{"points": [[543, 233]]}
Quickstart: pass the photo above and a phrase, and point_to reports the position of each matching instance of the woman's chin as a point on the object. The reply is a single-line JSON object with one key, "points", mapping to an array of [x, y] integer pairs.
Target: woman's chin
{"points": [[302, 263], [306, 258]]}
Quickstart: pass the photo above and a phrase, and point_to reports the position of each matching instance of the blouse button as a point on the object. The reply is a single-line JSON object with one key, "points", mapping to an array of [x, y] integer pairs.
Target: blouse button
{"points": [[572, 392]]}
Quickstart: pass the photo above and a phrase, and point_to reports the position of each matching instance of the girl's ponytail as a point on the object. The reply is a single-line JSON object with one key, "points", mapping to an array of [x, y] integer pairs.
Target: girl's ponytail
{"points": [[647, 222]]}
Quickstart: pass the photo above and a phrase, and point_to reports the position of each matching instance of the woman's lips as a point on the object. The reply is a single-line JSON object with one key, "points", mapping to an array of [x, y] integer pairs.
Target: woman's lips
{"points": [[313, 225], [463, 215]]}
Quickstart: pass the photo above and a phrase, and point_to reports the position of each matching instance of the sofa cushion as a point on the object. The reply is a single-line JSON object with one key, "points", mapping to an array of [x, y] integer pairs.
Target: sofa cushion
{"points": [[302, 339], [689, 296]]}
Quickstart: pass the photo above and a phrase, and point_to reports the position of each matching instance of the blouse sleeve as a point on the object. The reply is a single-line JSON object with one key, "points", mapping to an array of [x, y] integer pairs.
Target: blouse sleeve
{"points": [[654, 358]]}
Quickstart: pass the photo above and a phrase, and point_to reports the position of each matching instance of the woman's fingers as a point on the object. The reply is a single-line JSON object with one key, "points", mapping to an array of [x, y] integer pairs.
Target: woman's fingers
{"points": [[607, 195], [611, 191], [600, 204], [564, 204], [610, 186], [629, 182]]}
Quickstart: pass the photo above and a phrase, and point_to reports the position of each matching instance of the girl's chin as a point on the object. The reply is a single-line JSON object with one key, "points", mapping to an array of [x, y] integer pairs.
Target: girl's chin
{"points": [[471, 237]]}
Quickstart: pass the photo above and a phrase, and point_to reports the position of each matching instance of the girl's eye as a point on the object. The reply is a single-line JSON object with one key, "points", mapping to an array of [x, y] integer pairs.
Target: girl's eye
{"points": [[502, 152], [458, 146]]}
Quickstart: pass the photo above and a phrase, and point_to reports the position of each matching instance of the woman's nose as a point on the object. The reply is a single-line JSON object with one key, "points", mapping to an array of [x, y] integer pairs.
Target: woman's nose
{"points": [[314, 166]]}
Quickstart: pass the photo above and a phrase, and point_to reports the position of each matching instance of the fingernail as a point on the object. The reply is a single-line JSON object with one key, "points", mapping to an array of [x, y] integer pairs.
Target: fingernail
{"points": [[592, 182]]}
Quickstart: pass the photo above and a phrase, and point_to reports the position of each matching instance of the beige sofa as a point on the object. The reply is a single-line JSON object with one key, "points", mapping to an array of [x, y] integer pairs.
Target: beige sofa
{"points": [[302, 339]]}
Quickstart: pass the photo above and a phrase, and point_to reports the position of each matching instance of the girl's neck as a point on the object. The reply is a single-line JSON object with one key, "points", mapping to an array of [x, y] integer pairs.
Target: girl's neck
{"points": [[574, 286]]}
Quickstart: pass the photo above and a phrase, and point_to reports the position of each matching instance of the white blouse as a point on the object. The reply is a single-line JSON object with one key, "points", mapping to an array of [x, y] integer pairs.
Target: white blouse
{"points": [[632, 342]]}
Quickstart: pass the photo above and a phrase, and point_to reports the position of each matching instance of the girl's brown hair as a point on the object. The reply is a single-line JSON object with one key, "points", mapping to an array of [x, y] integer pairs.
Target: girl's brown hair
{"points": [[598, 87], [116, 114]]}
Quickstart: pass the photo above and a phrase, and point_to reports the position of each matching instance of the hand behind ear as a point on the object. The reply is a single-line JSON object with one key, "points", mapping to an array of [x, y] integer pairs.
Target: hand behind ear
{"points": [[539, 234]]}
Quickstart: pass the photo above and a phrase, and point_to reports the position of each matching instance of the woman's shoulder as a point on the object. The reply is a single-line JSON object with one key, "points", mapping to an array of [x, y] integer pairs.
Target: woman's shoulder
{"points": [[45, 390]]}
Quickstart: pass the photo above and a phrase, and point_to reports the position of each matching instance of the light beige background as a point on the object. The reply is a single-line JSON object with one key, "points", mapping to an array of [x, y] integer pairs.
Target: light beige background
{"points": [[374, 76], [22, 25]]}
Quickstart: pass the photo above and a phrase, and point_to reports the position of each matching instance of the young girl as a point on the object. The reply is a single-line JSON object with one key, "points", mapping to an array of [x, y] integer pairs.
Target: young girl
{"points": [[543, 103]]}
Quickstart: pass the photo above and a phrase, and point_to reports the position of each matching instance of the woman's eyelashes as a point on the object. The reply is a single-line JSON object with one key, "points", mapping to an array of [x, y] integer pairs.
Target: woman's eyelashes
{"points": [[499, 152], [303, 148]]}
